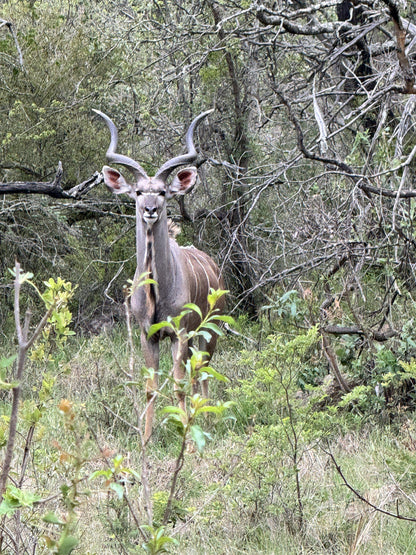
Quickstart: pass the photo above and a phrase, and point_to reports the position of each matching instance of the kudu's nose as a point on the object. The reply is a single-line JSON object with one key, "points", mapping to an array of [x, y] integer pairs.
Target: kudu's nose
{"points": [[150, 210]]}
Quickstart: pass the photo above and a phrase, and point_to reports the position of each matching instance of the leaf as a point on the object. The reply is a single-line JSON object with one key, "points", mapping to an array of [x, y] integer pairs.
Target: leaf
{"points": [[8, 508], [215, 295], [118, 489], [23, 276], [14, 498], [52, 518], [195, 308], [217, 409], [66, 545], [225, 318], [156, 327], [177, 421], [105, 473], [213, 327], [6, 362], [174, 410], [6, 385], [118, 459], [206, 335], [213, 374], [199, 437]]}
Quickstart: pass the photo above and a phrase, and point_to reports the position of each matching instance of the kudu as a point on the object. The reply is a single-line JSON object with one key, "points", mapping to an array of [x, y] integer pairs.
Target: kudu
{"points": [[182, 274]]}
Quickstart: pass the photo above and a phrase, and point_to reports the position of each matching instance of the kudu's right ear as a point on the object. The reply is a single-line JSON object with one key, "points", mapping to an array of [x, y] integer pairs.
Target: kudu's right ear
{"points": [[114, 180]]}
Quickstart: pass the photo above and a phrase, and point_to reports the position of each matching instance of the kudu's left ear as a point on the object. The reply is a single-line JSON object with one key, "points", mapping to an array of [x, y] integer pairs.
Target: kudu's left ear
{"points": [[183, 182]]}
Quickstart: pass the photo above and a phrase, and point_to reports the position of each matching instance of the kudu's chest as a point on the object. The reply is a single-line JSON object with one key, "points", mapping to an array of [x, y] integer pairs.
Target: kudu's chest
{"points": [[187, 277]]}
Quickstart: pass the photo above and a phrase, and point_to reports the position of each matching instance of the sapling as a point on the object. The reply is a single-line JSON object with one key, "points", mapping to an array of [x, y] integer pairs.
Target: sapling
{"points": [[58, 317]]}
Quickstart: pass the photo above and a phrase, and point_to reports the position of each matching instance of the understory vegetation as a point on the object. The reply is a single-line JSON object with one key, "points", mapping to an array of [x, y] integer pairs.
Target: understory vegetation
{"points": [[279, 461]]}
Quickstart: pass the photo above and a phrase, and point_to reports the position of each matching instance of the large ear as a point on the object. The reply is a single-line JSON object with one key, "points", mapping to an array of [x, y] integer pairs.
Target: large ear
{"points": [[114, 180], [183, 182]]}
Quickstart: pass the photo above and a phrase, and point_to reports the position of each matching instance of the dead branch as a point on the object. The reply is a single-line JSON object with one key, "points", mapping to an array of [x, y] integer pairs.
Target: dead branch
{"points": [[312, 28], [333, 363], [354, 330], [52, 188]]}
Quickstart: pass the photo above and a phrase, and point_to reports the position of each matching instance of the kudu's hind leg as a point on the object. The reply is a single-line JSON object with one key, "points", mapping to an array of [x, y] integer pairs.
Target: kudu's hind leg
{"points": [[150, 351]]}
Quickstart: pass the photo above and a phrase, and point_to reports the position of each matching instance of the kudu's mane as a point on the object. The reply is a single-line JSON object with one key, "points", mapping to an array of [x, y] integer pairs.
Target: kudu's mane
{"points": [[173, 229]]}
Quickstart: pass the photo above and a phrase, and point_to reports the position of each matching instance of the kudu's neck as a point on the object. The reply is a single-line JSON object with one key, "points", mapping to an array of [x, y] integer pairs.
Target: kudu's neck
{"points": [[154, 255]]}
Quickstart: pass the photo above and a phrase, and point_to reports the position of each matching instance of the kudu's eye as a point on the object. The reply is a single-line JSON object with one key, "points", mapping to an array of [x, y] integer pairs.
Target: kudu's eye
{"points": [[162, 193], [138, 193]]}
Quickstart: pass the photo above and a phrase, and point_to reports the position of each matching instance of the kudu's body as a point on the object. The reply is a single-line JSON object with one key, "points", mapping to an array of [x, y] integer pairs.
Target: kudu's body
{"points": [[182, 274]]}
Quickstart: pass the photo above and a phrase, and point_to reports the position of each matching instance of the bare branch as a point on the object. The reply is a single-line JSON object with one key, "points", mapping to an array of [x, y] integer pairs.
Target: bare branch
{"points": [[353, 330], [312, 28], [52, 188]]}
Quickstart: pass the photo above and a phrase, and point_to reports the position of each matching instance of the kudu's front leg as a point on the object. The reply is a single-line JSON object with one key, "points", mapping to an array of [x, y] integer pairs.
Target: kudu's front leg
{"points": [[150, 351]]}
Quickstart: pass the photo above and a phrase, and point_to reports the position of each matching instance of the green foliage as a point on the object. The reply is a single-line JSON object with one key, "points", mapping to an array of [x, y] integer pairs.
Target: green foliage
{"points": [[14, 499], [196, 366], [158, 541], [254, 477], [359, 397], [357, 154], [288, 307], [283, 421], [5, 364], [115, 475], [275, 375], [178, 512]]}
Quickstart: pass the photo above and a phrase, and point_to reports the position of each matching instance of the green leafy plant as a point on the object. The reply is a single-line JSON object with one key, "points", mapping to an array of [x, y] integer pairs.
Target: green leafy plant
{"points": [[158, 541], [57, 317]]}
